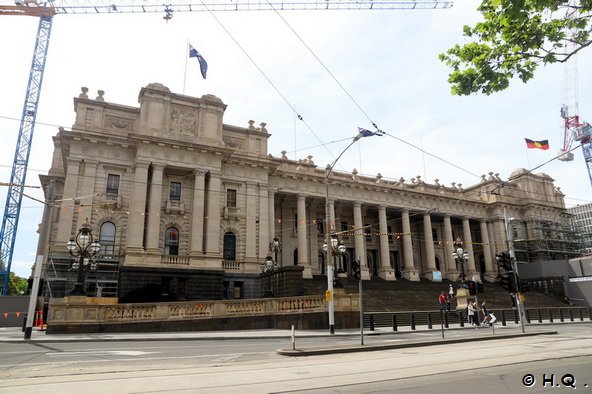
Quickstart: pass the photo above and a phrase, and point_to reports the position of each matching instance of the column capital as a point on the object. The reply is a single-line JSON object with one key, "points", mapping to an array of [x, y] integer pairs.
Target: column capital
{"points": [[141, 164], [158, 166], [199, 172]]}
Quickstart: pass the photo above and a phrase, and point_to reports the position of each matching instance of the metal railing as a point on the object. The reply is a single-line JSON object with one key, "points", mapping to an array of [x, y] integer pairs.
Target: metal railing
{"points": [[430, 319]]}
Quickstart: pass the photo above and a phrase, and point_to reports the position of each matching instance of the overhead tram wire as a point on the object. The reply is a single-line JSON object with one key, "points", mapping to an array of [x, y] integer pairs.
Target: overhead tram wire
{"points": [[273, 85]]}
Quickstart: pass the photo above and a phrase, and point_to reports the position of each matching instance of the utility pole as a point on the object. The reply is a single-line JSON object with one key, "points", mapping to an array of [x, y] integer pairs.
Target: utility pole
{"points": [[510, 237], [42, 252]]}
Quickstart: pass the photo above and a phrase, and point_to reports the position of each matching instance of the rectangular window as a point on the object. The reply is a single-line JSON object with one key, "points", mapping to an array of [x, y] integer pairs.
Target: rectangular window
{"points": [[321, 226], [112, 184], [175, 191], [231, 198]]}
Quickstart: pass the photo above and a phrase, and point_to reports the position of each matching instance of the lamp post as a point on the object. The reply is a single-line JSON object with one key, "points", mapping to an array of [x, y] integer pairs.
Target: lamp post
{"points": [[461, 256], [328, 232], [337, 249], [268, 267], [275, 246], [83, 247]]}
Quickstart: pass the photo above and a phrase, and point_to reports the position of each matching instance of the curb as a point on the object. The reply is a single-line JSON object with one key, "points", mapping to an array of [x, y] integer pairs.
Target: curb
{"points": [[409, 344]]}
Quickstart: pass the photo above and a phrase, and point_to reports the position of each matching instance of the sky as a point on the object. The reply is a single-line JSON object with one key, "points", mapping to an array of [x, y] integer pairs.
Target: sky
{"points": [[338, 70]]}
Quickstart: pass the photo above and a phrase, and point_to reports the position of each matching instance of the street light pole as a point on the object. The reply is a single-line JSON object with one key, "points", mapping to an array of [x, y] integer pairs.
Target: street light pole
{"points": [[83, 247], [510, 237], [328, 232], [460, 256]]}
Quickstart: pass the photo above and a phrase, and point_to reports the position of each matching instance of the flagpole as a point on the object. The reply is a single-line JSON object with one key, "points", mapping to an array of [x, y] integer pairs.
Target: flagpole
{"points": [[186, 57]]}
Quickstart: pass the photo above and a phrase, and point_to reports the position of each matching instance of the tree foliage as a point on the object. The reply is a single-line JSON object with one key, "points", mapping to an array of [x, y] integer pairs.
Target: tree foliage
{"points": [[17, 285], [515, 37]]}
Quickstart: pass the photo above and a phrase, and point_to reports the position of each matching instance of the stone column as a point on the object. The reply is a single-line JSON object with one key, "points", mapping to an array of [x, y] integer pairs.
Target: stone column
{"points": [[452, 271], [501, 233], [213, 214], [360, 241], [197, 214], [88, 191], [65, 231], [302, 238], [468, 246], [489, 271], [137, 205], [429, 247], [154, 209], [493, 244], [332, 225], [385, 272], [265, 236], [250, 224], [410, 272], [271, 214]]}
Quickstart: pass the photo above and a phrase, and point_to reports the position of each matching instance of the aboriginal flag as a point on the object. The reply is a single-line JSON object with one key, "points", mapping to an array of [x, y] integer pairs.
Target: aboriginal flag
{"points": [[544, 144]]}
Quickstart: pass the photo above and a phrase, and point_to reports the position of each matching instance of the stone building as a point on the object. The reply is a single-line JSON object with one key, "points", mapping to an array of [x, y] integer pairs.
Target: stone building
{"points": [[185, 207]]}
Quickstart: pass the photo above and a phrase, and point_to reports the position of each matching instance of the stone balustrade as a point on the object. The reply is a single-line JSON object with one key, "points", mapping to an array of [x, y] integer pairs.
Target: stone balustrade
{"points": [[79, 314]]}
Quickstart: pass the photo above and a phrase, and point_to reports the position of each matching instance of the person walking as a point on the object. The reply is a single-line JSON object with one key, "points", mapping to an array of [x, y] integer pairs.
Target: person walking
{"points": [[443, 301], [471, 312], [485, 310]]}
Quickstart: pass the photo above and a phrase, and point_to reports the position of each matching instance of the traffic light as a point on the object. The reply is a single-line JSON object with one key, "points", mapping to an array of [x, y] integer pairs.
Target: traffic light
{"points": [[504, 261], [356, 273], [472, 287], [524, 286], [508, 282]]}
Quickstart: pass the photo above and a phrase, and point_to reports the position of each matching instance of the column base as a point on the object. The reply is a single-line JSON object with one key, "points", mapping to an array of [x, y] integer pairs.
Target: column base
{"points": [[387, 274], [307, 272], [411, 275], [453, 275], [365, 274], [434, 276]]}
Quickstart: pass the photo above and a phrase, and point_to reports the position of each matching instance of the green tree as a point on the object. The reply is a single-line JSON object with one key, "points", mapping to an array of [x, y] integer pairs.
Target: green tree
{"points": [[17, 285], [515, 37]]}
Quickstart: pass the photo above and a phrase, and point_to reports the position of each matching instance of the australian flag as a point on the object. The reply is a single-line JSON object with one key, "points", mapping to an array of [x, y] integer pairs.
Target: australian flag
{"points": [[203, 65], [368, 133]]}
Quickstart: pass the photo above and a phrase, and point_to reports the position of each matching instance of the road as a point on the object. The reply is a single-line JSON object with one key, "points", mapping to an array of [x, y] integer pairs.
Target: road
{"points": [[232, 366]]}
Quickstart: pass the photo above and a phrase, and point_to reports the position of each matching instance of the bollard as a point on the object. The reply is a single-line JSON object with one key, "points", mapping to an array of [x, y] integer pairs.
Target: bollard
{"points": [[503, 318], [527, 315], [413, 321], [571, 314], [446, 320], [581, 314], [371, 322], [561, 315], [461, 319], [24, 321], [515, 316], [540, 316], [394, 322], [429, 320], [550, 316]]}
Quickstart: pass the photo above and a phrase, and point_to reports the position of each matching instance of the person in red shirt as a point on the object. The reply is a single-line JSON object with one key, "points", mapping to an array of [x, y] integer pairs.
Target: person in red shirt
{"points": [[443, 302]]}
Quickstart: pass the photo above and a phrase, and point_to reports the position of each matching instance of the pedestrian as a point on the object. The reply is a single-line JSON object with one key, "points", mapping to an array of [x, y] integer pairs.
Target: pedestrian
{"points": [[485, 310], [513, 297], [443, 301], [450, 291], [471, 312]]}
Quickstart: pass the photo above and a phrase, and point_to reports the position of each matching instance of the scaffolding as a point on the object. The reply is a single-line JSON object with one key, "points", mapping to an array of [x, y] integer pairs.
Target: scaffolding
{"points": [[551, 241]]}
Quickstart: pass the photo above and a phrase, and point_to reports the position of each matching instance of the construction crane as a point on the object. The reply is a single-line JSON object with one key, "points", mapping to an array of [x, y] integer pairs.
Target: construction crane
{"points": [[574, 128], [46, 11]]}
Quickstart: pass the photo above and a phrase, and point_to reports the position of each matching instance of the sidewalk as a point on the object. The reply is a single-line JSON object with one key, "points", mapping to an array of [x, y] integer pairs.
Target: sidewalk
{"points": [[412, 338]]}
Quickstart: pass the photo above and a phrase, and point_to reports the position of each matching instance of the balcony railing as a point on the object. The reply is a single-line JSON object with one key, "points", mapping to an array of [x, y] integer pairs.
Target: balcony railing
{"points": [[231, 265], [174, 260]]}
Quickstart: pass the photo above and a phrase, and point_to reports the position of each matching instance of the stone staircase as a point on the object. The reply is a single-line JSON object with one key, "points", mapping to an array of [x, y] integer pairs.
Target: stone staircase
{"points": [[402, 295]]}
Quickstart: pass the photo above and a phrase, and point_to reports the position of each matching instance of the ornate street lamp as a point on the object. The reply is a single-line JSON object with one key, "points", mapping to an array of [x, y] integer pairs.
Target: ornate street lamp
{"points": [[268, 267], [275, 246], [461, 256], [83, 247], [338, 249]]}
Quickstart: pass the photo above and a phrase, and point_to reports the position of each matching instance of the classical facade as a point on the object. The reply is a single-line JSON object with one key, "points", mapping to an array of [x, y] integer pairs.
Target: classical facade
{"points": [[185, 206]]}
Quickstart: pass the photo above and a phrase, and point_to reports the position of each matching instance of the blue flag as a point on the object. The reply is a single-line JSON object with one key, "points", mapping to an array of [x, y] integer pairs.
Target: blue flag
{"points": [[368, 133], [203, 65]]}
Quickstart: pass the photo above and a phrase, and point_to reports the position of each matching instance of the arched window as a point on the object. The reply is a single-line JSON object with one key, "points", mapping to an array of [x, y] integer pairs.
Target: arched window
{"points": [[107, 238], [171, 241], [229, 252]]}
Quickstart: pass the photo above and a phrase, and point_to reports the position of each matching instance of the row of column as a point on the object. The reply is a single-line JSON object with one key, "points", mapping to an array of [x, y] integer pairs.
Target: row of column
{"points": [[410, 270]]}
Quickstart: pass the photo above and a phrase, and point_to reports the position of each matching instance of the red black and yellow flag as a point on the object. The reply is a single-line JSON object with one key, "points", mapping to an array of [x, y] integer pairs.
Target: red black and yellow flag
{"points": [[544, 144]]}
